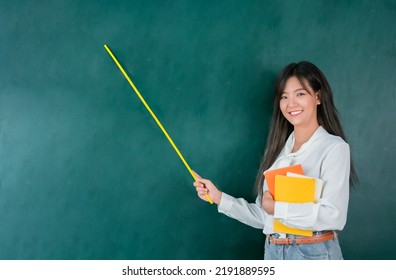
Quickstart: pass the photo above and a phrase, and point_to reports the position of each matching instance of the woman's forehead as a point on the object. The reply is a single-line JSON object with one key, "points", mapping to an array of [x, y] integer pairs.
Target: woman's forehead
{"points": [[293, 83]]}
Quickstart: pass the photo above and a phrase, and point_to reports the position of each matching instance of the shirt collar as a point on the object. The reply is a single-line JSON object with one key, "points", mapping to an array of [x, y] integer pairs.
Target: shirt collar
{"points": [[286, 156], [290, 142]]}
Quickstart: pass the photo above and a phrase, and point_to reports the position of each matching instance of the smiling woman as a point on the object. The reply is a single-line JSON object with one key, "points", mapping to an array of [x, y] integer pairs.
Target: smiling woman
{"points": [[305, 130], [298, 104]]}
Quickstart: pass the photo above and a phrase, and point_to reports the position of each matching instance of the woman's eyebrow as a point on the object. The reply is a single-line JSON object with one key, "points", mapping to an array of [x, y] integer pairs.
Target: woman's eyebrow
{"points": [[295, 90], [300, 89]]}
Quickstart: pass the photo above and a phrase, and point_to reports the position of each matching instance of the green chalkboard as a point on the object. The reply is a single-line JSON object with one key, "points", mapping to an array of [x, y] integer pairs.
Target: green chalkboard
{"points": [[85, 173]]}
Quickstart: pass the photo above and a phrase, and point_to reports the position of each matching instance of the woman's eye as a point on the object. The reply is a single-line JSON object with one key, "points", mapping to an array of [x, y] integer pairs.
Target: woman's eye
{"points": [[300, 93], [283, 97]]}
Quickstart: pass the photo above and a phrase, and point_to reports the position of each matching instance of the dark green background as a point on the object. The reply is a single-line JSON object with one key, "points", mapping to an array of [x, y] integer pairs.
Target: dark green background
{"points": [[86, 173]]}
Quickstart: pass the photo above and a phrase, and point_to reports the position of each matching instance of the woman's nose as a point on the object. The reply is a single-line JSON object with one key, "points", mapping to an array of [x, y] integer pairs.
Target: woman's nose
{"points": [[291, 101]]}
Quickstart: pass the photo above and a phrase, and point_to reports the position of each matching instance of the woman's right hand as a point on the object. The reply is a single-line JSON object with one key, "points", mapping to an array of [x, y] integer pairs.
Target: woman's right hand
{"points": [[206, 187]]}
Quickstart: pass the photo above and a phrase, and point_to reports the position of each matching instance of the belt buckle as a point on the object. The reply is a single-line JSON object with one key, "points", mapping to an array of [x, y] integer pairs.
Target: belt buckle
{"points": [[272, 238]]}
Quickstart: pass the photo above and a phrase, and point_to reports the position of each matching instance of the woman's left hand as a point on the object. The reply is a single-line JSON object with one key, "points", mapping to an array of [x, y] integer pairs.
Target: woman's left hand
{"points": [[268, 203]]}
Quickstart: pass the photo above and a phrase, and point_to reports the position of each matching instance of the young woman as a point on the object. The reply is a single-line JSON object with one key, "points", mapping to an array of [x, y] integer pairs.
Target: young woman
{"points": [[305, 130]]}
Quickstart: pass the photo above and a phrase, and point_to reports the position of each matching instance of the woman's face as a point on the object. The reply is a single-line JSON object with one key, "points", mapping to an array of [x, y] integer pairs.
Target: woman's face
{"points": [[299, 105]]}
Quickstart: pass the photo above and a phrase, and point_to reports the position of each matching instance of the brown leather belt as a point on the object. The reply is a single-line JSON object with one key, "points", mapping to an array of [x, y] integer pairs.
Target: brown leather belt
{"points": [[304, 240]]}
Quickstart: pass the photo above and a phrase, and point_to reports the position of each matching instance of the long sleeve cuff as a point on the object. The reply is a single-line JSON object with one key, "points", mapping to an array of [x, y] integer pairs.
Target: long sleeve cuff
{"points": [[225, 204], [238, 208]]}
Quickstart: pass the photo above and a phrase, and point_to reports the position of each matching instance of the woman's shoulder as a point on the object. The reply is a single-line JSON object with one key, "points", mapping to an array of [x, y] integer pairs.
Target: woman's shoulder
{"points": [[329, 140]]}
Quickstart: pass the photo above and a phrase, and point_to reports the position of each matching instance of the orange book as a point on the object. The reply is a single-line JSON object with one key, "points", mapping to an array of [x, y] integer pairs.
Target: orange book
{"points": [[294, 190], [270, 175]]}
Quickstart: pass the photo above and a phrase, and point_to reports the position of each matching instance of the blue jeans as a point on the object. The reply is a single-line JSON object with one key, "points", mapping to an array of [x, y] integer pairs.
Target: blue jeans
{"points": [[328, 250]]}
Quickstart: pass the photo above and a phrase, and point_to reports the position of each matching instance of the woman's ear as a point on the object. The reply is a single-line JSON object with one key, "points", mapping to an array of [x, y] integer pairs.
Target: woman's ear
{"points": [[318, 97]]}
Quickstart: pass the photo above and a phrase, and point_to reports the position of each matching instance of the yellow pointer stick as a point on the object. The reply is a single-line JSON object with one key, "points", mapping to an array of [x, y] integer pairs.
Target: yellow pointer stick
{"points": [[154, 117]]}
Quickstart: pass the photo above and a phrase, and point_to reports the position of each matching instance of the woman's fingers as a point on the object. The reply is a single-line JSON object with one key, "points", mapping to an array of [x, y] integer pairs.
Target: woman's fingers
{"points": [[205, 187], [196, 175]]}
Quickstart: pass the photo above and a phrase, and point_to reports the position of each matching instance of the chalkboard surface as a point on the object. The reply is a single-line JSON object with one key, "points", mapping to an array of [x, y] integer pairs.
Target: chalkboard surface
{"points": [[85, 173]]}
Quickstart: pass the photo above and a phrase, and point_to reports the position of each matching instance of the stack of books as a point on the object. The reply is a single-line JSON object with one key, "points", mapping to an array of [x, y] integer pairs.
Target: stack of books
{"points": [[288, 184]]}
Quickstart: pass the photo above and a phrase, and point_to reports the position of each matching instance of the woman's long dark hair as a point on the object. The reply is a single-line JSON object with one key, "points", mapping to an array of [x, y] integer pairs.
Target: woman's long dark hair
{"points": [[280, 129]]}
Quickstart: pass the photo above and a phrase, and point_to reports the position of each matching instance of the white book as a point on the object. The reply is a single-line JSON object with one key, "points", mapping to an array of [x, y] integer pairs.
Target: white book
{"points": [[318, 185]]}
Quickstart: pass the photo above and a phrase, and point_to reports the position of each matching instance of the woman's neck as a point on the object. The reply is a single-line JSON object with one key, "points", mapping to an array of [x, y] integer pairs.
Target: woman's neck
{"points": [[302, 135]]}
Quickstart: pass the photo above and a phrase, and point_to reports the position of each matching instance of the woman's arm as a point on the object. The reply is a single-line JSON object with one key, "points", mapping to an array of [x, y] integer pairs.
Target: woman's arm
{"points": [[250, 214]]}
